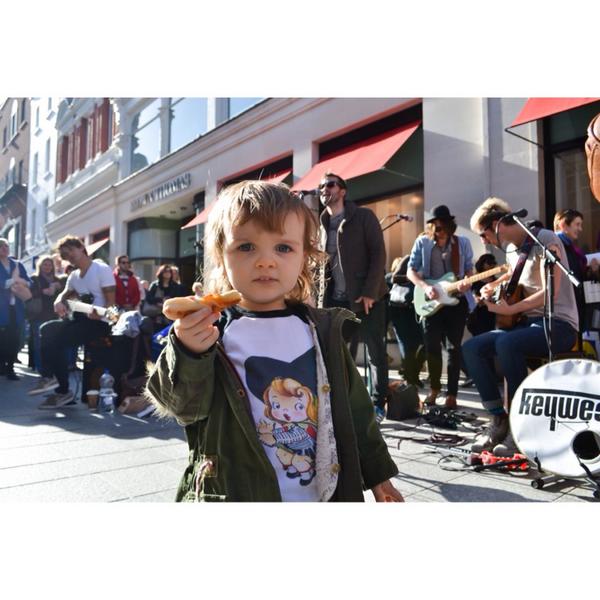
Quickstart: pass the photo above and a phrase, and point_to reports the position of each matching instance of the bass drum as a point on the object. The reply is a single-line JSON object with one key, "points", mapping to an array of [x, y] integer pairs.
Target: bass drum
{"points": [[555, 417]]}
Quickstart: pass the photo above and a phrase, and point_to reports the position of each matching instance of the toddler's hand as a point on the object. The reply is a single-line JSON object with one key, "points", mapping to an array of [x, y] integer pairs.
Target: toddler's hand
{"points": [[386, 492], [196, 330]]}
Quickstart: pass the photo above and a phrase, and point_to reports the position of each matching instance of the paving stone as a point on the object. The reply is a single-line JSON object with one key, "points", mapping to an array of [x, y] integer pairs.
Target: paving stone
{"points": [[87, 488], [146, 479]]}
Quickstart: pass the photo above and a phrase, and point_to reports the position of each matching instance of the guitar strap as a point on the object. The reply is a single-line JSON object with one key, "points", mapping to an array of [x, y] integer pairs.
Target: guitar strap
{"points": [[523, 254], [455, 256]]}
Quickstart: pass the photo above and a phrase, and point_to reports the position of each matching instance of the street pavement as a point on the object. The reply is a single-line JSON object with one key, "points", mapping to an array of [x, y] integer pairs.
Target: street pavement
{"points": [[75, 454]]}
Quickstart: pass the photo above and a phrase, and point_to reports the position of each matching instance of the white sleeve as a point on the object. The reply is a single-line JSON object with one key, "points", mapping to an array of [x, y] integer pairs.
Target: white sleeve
{"points": [[107, 278], [69, 285]]}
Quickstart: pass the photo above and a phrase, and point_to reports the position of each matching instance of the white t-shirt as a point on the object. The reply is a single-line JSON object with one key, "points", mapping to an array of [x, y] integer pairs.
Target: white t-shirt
{"points": [[275, 357], [98, 276]]}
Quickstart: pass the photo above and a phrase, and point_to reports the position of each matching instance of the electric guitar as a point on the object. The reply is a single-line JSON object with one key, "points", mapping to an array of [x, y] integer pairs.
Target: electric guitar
{"points": [[109, 314], [445, 287]]}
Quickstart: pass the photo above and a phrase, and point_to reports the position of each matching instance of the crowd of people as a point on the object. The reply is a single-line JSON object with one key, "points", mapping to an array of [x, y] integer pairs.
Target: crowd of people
{"points": [[311, 290], [35, 309]]}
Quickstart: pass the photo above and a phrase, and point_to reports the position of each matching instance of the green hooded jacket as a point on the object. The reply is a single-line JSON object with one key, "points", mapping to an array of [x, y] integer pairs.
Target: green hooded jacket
{"points": [[227, 460]]}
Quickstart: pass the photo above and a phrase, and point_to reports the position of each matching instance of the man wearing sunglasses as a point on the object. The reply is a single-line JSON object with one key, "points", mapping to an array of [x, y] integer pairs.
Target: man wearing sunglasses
{"points": [[354, 276], [510, 347], [128, 288]]}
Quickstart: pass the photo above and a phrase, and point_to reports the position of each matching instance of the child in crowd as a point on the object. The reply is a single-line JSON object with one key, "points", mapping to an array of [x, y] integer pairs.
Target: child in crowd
{"points": [[272, 403]]}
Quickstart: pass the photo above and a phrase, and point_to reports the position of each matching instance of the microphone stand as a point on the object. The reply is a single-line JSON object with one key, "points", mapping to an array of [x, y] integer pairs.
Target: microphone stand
{"points": [[396, 220], [549, 261]]}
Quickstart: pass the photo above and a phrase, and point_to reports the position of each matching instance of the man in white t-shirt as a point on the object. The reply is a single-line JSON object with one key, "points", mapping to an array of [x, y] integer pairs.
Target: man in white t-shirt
{"points": [[92, 282]]}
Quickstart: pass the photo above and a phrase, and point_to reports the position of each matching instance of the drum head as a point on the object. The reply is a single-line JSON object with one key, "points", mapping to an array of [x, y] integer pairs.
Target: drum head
{"points": [[555, 417]]}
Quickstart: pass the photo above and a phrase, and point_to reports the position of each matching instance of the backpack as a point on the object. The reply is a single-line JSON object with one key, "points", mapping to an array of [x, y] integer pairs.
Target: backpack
{"points": [[592, 150]]}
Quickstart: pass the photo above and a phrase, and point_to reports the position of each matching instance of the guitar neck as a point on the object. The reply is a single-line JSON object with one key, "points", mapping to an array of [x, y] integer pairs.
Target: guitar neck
{"points": [[454, 286], [87, 309]]}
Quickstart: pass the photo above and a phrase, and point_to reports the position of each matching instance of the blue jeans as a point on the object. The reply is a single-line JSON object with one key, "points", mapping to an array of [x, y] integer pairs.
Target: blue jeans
{"points": [[511, 348]]}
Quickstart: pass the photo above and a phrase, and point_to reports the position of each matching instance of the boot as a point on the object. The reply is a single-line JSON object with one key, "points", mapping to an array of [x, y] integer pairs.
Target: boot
{"points": [[450, 402], [496, 433]]}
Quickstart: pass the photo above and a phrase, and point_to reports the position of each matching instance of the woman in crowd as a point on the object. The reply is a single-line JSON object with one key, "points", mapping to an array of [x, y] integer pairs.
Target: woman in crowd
{"points": [[162, 288], [14, 289], [407, 330], [45, 287], [568, 225]]}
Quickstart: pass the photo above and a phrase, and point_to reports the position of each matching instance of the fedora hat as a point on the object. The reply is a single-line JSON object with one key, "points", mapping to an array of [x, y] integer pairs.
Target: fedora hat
{"points": [[440, 212]]}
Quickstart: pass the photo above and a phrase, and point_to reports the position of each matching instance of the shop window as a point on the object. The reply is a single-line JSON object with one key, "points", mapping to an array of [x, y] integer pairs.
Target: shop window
{"points": [[34, 169], [13, 119], [12, 171], [33, 226], [47, 159], [146, 137], [239, 105], [188, 121], [573, 191], [146, 243]]}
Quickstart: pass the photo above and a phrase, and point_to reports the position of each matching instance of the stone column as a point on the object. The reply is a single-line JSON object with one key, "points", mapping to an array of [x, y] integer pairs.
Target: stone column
{"points": [[124, 138]]}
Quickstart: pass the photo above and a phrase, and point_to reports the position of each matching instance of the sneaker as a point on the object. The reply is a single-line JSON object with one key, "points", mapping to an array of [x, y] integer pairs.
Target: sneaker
{"points": [[496, 433], [467, 383], [506, 448], [49, 403], [379, 414], [66, 399], [57, 400], [45, 384]]}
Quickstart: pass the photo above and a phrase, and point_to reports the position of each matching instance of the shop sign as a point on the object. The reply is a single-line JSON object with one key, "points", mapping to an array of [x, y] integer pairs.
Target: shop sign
{"points": [[164, 190]]}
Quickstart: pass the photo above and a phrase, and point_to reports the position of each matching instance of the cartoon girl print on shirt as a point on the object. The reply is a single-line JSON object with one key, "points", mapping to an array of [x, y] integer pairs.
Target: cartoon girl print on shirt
{"points": [[291, 411]]}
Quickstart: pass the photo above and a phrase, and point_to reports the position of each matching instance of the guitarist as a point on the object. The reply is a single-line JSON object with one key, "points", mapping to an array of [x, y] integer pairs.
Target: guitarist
{"points": [[437, 252], [511, 347], [89, 280]]}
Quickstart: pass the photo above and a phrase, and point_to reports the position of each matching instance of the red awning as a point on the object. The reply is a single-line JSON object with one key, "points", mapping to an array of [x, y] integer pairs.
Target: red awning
{"points": [[279, 177], [538, 108], [95, 246], [199, 218], [203, 216], [364, 157]]}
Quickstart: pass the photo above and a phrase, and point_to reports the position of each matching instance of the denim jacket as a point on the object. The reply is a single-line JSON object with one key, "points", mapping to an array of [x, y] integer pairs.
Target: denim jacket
{"points": [[5, 293], [420, 256]]}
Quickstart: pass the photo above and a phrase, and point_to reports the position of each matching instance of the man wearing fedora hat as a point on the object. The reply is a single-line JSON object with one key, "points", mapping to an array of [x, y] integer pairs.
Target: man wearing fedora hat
{"points": [[437, 252]]}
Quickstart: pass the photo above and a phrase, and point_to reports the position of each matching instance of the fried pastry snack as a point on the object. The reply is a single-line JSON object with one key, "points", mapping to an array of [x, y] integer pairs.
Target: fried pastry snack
{"points": [[177, 308]]}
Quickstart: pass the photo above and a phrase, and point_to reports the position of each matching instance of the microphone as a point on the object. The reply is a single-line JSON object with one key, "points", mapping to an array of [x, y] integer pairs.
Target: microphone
{"points": [[517, 213], [401, 217]]}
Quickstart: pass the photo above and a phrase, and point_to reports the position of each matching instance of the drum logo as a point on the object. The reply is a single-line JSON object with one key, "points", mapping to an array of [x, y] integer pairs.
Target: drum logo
{"points": [[560, 406]]}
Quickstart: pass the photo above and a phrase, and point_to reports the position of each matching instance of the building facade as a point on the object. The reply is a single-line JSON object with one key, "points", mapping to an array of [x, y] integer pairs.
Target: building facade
{"points": [[14, 166], [41, 184], [399, 155]]}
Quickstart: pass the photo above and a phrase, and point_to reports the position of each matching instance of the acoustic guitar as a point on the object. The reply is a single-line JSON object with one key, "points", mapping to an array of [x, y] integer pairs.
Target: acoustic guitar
{"points": [[445, 287], [501, 293]]}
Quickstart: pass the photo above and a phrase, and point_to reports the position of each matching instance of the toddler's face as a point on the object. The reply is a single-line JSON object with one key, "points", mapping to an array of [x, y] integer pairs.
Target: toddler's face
{"points": [[264, 265]]}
